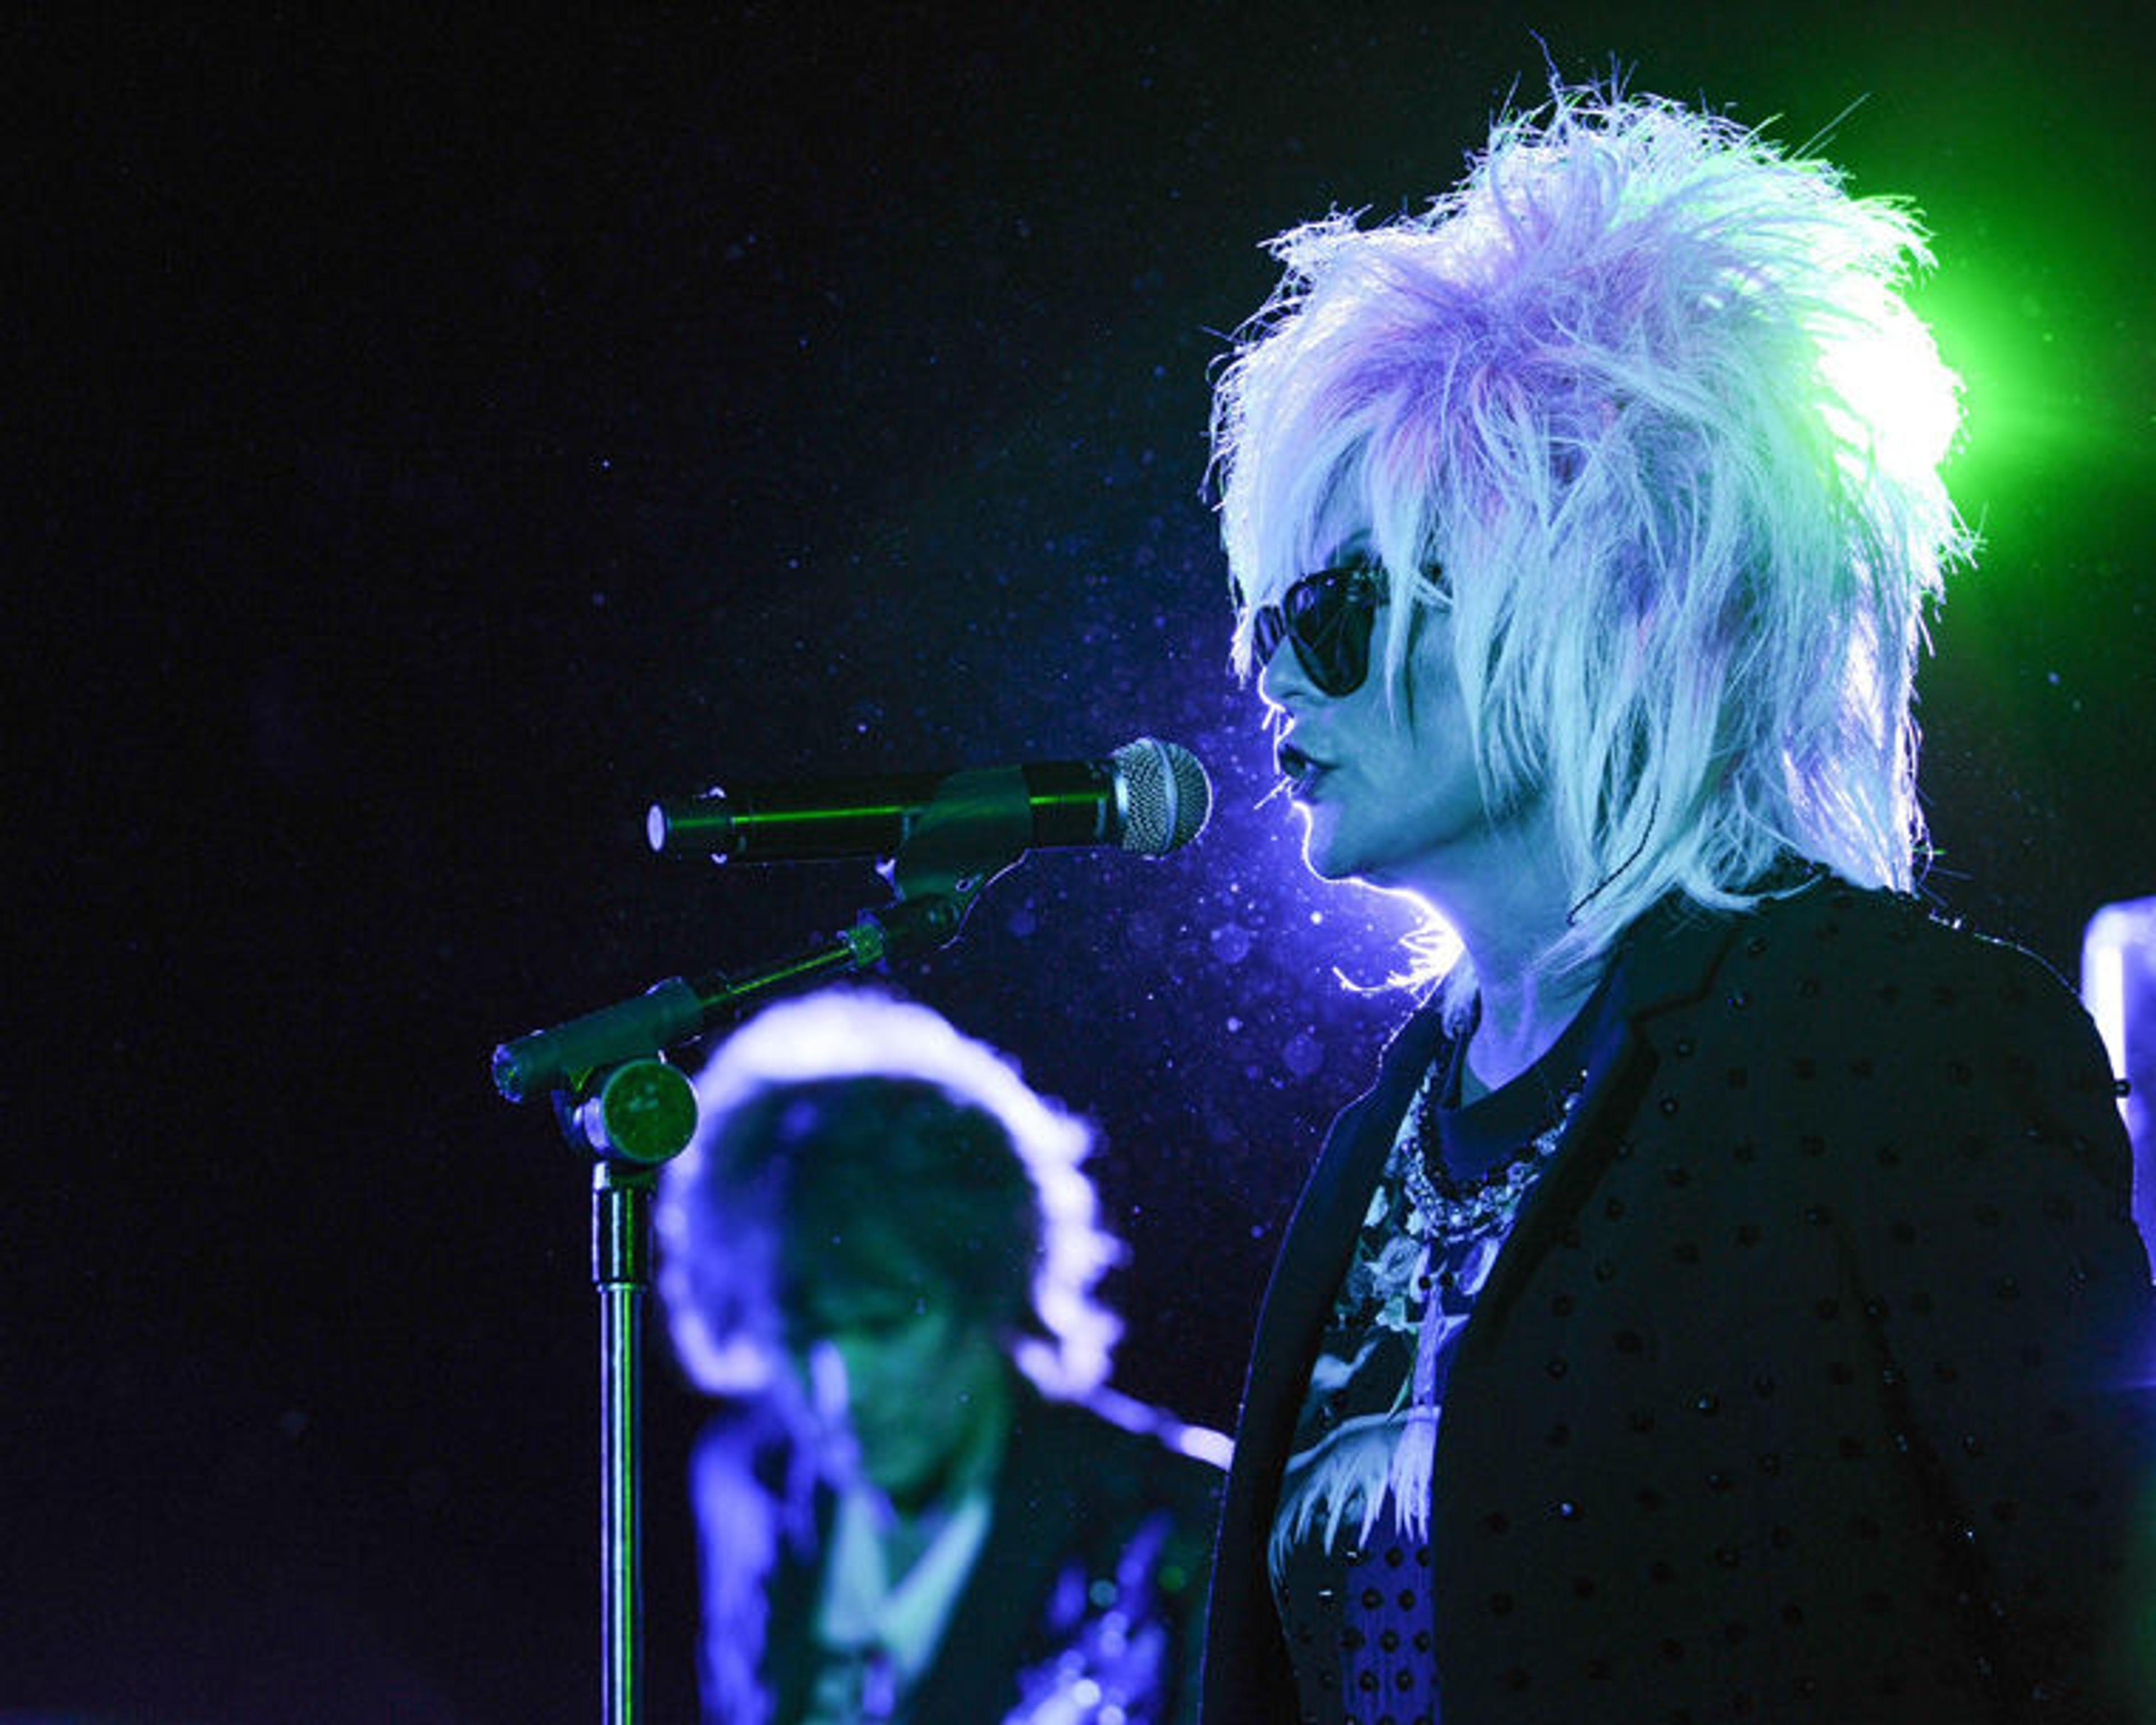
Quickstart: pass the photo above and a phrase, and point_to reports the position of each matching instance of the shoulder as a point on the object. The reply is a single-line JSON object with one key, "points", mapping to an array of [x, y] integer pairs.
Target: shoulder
{"points": [[1828, 915], [1117, 1447], [1842, 998], [1126, 1475], [1850, 956], [1836, 1007]]}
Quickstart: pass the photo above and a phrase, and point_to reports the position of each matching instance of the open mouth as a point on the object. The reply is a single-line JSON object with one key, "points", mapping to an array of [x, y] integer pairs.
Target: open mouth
{"points": [[1299, 772]]}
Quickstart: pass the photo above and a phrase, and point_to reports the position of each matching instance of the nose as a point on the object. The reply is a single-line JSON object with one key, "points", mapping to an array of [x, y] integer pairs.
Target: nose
{"points": [[1282, 679], [824, 1368]]}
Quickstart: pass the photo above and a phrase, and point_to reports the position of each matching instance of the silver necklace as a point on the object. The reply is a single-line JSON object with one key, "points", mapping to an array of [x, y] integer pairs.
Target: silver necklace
{"points": [[1445, 1212]]}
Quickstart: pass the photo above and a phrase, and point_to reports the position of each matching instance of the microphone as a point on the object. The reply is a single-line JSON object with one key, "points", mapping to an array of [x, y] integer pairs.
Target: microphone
{"points": [[1149, 796]]}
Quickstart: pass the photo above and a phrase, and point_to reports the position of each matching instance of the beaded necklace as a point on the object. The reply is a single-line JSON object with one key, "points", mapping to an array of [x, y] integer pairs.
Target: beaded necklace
{"points": [[1443, 1211]]}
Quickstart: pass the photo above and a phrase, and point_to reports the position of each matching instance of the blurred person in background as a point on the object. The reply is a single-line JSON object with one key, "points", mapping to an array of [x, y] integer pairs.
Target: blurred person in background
{"points": [[922, 1502]]}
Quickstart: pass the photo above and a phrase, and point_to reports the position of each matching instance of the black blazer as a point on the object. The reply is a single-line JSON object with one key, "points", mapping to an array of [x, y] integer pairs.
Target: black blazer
{"points": [[1801, 1390], [1076, 1492]]}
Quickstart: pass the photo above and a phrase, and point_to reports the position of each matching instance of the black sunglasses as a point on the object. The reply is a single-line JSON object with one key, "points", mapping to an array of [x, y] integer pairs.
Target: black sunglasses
{"points": [[1328, 616]]}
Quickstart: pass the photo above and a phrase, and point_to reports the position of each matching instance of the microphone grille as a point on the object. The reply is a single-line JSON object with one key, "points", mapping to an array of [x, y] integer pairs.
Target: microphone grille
{"points": [[1167, 796]]}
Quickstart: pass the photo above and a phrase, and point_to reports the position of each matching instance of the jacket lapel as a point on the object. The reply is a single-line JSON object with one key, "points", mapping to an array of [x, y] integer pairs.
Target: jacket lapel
{"points": [[1319, 1238], [1670, 958]]}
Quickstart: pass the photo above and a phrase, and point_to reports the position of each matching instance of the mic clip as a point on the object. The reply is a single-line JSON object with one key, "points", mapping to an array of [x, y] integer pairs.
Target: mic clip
{"points": [[967, 839], [969, 835]]}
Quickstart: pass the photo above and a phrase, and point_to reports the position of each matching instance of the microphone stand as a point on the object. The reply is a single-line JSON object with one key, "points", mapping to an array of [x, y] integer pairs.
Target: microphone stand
{"points": [[970, 834], [617, 1101]]}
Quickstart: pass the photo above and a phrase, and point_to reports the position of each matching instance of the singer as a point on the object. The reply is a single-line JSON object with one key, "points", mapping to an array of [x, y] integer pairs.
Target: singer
{"points": [[1725, 1304], [922, 1503]]}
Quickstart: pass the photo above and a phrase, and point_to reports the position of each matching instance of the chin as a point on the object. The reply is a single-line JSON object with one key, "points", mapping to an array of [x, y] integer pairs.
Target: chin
{"points": [[1326, 857], [1321, 850], [900, 1483], [1321, 864]]}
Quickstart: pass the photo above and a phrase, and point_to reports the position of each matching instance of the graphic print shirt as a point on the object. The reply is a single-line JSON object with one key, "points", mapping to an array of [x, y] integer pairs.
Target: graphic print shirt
{"points": [[1349, 1557]]}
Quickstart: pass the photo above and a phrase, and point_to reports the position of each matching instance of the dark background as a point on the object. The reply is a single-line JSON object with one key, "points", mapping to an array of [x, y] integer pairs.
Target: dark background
{"points": [[438, 438]]}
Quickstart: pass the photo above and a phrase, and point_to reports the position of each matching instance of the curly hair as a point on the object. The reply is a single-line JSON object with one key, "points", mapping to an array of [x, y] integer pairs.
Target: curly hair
{"points": [[850, 1126], [1647, 390]]}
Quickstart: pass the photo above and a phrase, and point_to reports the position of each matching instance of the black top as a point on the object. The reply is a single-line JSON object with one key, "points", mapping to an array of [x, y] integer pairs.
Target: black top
{"points": [[1350, 1549], [1805, 1387]]}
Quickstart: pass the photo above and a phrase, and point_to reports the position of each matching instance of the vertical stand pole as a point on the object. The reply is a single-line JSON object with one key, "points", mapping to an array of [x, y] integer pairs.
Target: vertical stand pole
{"points": [[621, 1269], [635, 1115]]}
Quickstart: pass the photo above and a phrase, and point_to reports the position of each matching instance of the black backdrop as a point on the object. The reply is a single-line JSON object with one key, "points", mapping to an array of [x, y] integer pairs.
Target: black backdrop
{"points": [[438, 438]]}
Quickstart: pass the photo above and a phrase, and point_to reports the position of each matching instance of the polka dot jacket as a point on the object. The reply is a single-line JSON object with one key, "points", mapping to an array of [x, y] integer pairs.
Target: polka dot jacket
{"points": [[1807, 1385]]}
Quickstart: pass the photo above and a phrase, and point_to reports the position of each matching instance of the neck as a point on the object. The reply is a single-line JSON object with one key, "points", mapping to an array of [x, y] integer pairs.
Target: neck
{"points": [[1520, 1022], [1509, 905]]}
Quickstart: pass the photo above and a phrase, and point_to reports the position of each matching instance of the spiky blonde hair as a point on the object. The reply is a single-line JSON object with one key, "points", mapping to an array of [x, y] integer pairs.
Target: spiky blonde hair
{"points": [[1647, 389]]}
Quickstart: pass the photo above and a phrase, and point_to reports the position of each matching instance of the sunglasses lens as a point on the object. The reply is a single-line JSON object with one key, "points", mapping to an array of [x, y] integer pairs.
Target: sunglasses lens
{"points": [[1333, 633], [1328, 618]]}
